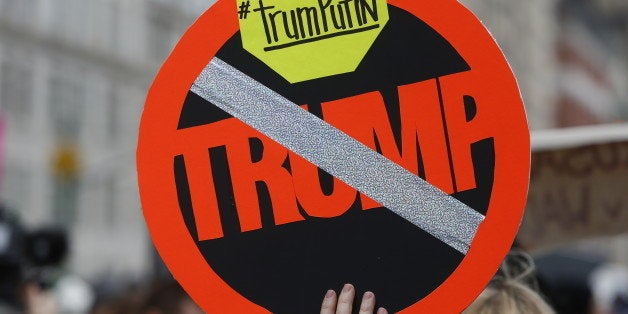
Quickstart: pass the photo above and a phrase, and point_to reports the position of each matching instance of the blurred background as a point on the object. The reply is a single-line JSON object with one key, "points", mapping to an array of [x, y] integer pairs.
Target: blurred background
{"points": [[74, 74]]}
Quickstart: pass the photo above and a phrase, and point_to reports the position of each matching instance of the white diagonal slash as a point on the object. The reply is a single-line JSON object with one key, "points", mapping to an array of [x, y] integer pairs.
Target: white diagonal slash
{"points": [[399, 190]]}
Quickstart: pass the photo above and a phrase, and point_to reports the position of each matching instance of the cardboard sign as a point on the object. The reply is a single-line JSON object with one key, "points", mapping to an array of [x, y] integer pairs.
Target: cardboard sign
{"points": [[577, 193], [405, 175]]}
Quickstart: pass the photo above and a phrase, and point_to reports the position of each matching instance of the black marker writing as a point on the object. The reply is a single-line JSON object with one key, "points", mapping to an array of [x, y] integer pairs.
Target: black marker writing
{"points": [[325, 20]]}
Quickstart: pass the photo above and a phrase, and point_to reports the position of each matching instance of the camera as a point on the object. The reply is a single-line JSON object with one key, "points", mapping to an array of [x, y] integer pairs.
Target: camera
{"points": [[27, 256]]}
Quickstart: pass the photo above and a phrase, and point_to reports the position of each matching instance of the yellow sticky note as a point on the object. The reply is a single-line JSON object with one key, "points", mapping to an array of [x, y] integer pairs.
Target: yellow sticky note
{"points": [[309, 39]]}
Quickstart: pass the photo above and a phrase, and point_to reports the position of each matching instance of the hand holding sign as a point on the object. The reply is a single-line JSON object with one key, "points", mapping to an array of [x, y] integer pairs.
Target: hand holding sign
{"points": [[343, 304]]}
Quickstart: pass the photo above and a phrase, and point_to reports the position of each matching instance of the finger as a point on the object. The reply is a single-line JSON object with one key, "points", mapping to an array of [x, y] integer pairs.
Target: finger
{"points": [[345, 300], [368, 303], [382, 311], [329, 303]]}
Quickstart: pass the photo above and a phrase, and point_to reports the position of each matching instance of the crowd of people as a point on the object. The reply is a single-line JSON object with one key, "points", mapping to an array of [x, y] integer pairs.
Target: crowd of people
{"points": [[515, 289], [35, 283], [512, 290]]}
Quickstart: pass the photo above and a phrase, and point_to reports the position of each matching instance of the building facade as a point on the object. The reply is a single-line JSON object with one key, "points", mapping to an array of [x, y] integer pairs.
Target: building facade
{"points": [[73, 77], [570, 57], [592, 55], [526, 32]]}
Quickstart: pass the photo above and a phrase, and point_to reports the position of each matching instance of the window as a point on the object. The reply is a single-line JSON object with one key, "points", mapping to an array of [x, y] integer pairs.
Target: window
{"points": [[112, 9], [66, 107], [104, 24], [15, 92], [65, 181], [113, 115], [160, 35], [65, 197], [110, 201], [18, 11], [15, 187]]}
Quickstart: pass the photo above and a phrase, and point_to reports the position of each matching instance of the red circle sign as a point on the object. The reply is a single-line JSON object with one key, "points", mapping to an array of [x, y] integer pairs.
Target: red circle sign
{"points": [[253, 214]]}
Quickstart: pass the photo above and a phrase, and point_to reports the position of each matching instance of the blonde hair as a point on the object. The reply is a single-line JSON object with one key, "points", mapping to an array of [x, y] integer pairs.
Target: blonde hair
{"points": [[507, 293]]}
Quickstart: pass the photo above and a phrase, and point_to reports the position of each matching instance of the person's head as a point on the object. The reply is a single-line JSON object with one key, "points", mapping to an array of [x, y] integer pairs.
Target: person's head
{"points": [[509, 297], [169, 298], [508, 294]]}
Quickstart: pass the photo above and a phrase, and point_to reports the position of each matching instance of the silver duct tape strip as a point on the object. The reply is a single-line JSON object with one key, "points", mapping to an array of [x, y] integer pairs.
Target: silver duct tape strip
{"points": [[404, 193]]}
